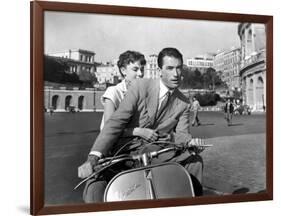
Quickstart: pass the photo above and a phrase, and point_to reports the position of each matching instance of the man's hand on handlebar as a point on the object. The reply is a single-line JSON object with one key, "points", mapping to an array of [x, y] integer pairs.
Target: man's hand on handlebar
{"points": [[86, 169], [196, 146]]}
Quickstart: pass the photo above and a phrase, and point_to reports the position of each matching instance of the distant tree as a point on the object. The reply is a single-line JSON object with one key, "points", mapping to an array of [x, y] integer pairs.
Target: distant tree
{"points": [[94, 78], [54, 69], [196, 80], [87, 78], [218, 80], [186, 77], [213, 79], [208, 99], [210, 77], [191, 79], [71, 78]]}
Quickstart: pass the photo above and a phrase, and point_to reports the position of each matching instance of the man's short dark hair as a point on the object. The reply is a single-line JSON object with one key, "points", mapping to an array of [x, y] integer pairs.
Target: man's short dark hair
{"points": [[130, 57], [172, 52]]}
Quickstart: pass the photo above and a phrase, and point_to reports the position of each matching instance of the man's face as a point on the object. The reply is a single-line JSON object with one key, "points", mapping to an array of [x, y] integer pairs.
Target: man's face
{"points": [[171, 72]]}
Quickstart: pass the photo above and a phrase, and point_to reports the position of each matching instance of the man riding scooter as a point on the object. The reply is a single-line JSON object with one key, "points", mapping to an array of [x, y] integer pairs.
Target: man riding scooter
{"points": [[160, 108]]}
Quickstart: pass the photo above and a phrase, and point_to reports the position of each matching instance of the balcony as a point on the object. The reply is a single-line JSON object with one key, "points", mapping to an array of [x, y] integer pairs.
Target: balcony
{"points": [[254, 58]]}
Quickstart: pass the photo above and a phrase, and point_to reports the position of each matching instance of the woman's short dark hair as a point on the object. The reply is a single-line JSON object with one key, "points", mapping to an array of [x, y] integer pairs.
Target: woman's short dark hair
{"points": [[130, 57], [172, 52]]}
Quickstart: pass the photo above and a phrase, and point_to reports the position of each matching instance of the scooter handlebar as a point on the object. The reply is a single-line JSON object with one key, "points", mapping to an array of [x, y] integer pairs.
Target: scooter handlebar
{"points": [[112, 160], [107, 162], [157, 153]]}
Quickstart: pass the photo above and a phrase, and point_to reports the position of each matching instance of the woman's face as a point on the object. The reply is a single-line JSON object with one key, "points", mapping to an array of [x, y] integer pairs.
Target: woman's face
{"points": [[132, 71]]}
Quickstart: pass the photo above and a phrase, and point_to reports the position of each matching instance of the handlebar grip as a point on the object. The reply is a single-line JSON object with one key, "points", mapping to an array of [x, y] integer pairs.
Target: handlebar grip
{"points": [[205, 145]]}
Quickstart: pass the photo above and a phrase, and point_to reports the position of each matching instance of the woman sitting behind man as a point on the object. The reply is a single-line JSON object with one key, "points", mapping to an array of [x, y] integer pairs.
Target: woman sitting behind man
{"points": [[131, 66]]}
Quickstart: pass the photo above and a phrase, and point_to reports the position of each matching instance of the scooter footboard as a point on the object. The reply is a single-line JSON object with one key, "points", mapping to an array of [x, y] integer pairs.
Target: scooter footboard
{"points": [[167, 180]]}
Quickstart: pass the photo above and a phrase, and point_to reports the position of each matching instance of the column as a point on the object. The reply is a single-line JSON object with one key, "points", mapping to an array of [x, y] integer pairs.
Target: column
{"points": [[75, 99], [264, 88], [78, 69], [253, 38], [255, 79], [61, 101]]}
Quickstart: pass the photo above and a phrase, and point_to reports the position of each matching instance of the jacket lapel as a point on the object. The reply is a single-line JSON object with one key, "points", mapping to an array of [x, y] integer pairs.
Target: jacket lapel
{"points": [[152, 100]]}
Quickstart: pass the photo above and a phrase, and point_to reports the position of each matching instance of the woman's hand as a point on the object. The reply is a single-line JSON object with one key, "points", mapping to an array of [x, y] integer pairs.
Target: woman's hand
{"points": [[146, 133]]}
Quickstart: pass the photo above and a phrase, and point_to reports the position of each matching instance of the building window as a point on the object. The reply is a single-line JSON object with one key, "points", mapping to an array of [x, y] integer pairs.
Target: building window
{"points": [[249, 38]]}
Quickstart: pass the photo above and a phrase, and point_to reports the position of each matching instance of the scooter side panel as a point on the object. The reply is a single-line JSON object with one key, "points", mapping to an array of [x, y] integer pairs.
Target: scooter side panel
{"points": [[169, 180], [172, 181], [127, 186]]}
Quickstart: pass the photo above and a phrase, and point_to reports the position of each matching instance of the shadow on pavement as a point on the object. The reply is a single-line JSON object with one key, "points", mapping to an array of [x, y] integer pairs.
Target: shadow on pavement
{"points": [[206, 124], [209, 191], [242, 190], [237, 124], [63, 133]]}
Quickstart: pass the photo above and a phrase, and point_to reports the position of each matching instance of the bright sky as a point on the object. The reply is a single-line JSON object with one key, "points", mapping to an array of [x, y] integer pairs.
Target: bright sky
{"points": [[110, 35]]}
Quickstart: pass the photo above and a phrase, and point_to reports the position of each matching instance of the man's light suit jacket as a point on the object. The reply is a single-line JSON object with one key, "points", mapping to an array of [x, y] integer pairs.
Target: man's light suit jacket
{"points": [[138, 109]]}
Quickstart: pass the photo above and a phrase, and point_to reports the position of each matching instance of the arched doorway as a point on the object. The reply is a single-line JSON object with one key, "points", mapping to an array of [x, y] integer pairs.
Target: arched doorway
{"points": [[250, 94], [81, 102], [68, 102], [259, 93], [55, 99]]}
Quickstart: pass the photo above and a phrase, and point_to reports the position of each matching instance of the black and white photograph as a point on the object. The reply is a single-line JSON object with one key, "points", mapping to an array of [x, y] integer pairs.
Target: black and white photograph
{"points": [[140, 107], [152, 108]]}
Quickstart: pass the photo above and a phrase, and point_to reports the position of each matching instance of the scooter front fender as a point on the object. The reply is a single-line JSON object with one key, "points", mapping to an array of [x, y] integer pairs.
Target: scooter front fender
{"points": [[166, 180]]}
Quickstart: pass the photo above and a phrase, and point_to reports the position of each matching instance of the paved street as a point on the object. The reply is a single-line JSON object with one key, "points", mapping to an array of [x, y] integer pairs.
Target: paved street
{"points": [[235, 164]]}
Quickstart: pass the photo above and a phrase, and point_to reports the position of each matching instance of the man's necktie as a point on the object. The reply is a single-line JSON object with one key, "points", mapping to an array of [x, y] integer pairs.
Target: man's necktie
{"points": [[163, 104]]}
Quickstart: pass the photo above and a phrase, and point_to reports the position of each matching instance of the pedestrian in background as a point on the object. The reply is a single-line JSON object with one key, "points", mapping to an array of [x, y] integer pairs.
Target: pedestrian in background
{"points": [[228, 110], [195, 107]]}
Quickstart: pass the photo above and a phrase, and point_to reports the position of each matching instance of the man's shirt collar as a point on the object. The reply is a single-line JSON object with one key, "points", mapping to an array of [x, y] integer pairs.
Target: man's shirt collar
{"points": [[163, 90]]}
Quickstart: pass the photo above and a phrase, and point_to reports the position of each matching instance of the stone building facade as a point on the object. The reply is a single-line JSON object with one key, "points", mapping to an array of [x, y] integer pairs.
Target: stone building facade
{"points": [[201, 63], [253, 64], [151, 69], [228, 64], [78, 60], [108, 73], [62, 99]]}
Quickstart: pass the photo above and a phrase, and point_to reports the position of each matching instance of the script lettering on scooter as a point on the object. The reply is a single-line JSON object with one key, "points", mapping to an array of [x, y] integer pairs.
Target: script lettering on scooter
{"points": [[123, 195]]}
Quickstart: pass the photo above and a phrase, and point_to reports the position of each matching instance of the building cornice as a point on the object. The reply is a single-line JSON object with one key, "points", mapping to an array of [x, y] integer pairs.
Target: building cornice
{"points": [[253, 68]]}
